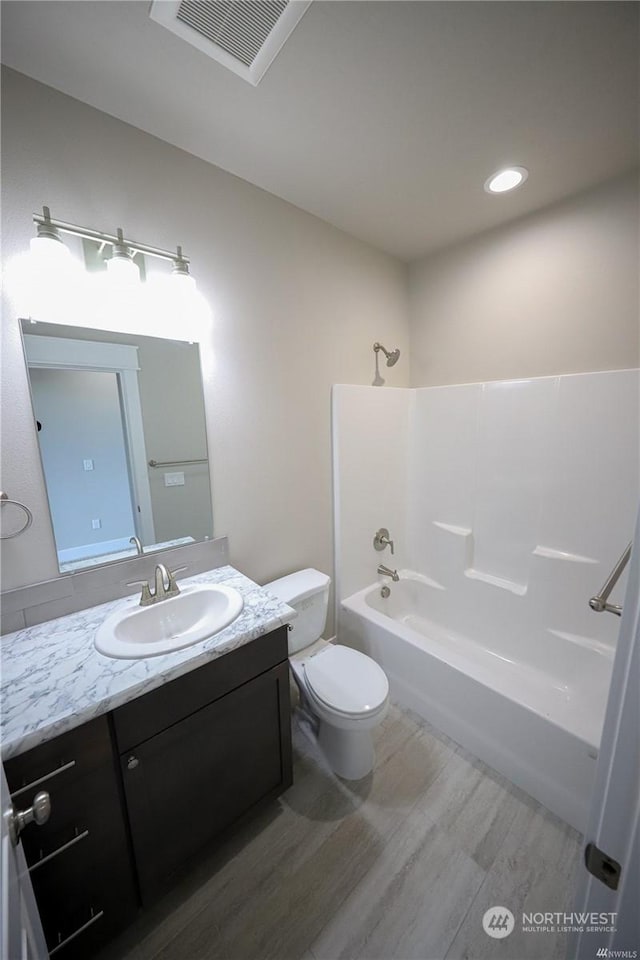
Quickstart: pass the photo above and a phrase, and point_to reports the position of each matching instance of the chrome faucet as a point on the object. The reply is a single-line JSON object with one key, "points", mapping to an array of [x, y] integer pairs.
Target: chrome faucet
{"points": [[386, 572], [137, 545], [165, 586]]}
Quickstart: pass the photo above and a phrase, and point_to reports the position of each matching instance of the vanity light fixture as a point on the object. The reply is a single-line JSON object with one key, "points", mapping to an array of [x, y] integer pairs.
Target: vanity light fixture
{"points": [[123, 249], [505, 180], [50, 273]]}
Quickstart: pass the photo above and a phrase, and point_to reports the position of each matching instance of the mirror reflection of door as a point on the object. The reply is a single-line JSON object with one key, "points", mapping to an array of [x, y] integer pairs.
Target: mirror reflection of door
{"points": [[122, 432], [84, 453]]}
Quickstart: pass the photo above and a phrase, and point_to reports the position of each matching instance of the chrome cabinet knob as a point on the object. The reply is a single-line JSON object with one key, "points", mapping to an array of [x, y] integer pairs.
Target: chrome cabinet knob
{"points": [[38, 813]]}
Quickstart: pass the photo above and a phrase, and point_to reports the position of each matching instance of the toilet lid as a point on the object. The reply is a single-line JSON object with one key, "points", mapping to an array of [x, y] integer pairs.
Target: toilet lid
{"points": [[346, 680]]}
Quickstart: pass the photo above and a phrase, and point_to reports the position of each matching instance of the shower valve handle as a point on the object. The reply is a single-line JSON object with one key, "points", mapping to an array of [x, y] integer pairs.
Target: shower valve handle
{"points": [[381, 540]]}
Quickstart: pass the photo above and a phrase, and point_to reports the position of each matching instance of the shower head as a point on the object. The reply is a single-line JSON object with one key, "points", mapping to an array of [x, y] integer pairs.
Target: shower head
{"points": [[392, 356]]}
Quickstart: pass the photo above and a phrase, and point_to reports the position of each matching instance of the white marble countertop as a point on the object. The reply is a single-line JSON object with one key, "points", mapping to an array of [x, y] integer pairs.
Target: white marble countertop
{"points": [[54, 679]]}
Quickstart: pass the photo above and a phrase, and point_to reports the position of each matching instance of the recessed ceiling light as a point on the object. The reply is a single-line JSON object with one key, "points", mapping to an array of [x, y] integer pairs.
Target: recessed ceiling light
{"points": [[507, 179]]}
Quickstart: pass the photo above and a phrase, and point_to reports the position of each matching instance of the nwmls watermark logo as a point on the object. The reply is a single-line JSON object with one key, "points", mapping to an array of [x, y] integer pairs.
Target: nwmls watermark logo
{"points": [[558, 922], [616, 954], [498, 922]]}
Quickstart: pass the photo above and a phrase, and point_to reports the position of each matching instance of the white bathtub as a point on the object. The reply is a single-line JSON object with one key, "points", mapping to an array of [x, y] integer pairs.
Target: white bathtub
{"points": [[531, 707]]}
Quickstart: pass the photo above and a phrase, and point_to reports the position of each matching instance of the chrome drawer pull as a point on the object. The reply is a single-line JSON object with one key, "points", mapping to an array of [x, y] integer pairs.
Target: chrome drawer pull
{"points": [[65, 846], [47, 776], [77, 933]]}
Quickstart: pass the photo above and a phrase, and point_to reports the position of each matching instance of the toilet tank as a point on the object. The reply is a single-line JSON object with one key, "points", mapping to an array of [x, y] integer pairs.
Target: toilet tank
{"points": [[307, 591]]}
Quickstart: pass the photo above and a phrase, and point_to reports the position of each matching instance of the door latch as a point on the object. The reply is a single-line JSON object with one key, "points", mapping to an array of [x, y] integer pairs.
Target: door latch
{"points": [[603, 867], [38, 813]]}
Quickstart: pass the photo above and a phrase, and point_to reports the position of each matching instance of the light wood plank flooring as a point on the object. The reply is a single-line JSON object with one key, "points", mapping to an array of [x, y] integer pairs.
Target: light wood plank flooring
{"points": [[398, 866]]}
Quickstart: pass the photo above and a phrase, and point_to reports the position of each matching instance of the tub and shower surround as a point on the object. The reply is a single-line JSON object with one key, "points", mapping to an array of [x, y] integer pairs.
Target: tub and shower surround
{"points": [[508, 502]]}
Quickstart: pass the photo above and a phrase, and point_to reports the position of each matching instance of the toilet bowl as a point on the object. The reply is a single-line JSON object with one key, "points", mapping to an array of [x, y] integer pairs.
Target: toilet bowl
{"points": [[345, 691]]}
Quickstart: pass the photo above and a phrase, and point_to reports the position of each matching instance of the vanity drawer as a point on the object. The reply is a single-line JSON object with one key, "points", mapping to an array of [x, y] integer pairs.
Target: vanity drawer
{"points": [[59, 764], [149, 715], [79, 860]]}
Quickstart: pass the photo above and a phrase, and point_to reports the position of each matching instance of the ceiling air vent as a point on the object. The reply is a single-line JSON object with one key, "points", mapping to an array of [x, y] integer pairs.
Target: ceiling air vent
{"points": [[243, 35]]}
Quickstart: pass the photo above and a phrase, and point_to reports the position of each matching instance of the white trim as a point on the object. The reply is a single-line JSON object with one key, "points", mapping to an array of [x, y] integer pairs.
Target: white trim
{"points": [[134, 432], [65, 353], [79, 354]]}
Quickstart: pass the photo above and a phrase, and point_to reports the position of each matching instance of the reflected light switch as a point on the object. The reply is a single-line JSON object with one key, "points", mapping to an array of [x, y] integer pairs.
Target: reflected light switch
{"points": [[174, 479]]}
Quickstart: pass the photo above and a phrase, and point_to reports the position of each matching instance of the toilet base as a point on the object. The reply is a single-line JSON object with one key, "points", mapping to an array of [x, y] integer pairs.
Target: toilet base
{"points": [[349, 752]]}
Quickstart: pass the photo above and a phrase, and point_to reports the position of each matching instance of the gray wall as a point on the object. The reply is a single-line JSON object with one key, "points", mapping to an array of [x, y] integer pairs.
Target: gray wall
{"points": [[297, 305], [174, 429], [554, 292]]}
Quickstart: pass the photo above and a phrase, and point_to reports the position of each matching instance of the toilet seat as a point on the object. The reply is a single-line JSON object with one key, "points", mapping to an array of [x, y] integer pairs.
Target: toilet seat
{"points": [[346, 682]]}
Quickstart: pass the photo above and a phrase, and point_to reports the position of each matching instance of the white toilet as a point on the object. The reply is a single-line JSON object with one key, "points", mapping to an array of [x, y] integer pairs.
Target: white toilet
{"points": [[346, 691]]}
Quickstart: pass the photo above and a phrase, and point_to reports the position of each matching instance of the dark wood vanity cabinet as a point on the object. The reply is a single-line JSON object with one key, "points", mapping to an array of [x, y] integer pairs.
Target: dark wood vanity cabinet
{"points": [[138, 793], [79, 860]]}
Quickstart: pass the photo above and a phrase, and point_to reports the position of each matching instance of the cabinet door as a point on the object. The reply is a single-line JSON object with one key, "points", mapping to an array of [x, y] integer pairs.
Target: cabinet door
{"points": [[186, 784]]}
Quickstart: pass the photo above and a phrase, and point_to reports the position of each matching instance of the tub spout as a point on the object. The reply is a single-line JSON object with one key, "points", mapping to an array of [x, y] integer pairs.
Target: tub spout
{"points": [[386, 572]]}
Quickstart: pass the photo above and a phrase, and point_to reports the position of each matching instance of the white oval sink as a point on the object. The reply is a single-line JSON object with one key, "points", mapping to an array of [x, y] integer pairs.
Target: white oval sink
{"points": [[195, 614]]}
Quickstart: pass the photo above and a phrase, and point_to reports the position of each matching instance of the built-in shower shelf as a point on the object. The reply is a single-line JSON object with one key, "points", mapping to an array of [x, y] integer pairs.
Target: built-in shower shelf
{"points": [[511, 585], [453, 528], [550, 554]]}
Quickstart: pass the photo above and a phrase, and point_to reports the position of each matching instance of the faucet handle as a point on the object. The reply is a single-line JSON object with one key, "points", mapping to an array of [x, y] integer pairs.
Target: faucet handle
{"points": [[172, 587], [381, 540], [146, 597]]}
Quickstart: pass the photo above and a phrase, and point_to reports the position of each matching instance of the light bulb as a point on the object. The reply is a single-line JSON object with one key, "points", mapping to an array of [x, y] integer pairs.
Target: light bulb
{"points": [[176, 307], [47, 252], [47, 283], [183, 283], [122, 270]]}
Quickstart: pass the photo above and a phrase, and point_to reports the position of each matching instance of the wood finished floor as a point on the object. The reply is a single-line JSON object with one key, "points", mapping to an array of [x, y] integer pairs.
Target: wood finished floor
{"points": [[401, 865]]}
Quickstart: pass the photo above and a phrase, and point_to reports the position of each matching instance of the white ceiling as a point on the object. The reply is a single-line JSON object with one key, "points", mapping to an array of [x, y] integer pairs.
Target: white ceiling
{"points": [[384, 118]]}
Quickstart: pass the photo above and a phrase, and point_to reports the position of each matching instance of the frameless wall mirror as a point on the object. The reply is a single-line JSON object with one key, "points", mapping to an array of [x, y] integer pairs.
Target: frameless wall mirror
{"points": [[121, 429]]}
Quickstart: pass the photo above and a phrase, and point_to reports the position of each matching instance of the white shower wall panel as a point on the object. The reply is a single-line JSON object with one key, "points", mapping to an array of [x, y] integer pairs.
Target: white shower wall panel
{"points": [[370, 443], [513, 427], [593, 484], [443, 432]]}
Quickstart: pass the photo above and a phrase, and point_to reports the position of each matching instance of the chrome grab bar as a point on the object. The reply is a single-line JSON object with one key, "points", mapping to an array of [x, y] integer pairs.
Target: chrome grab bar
{"points": [[170, 463], [599, 602]]}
